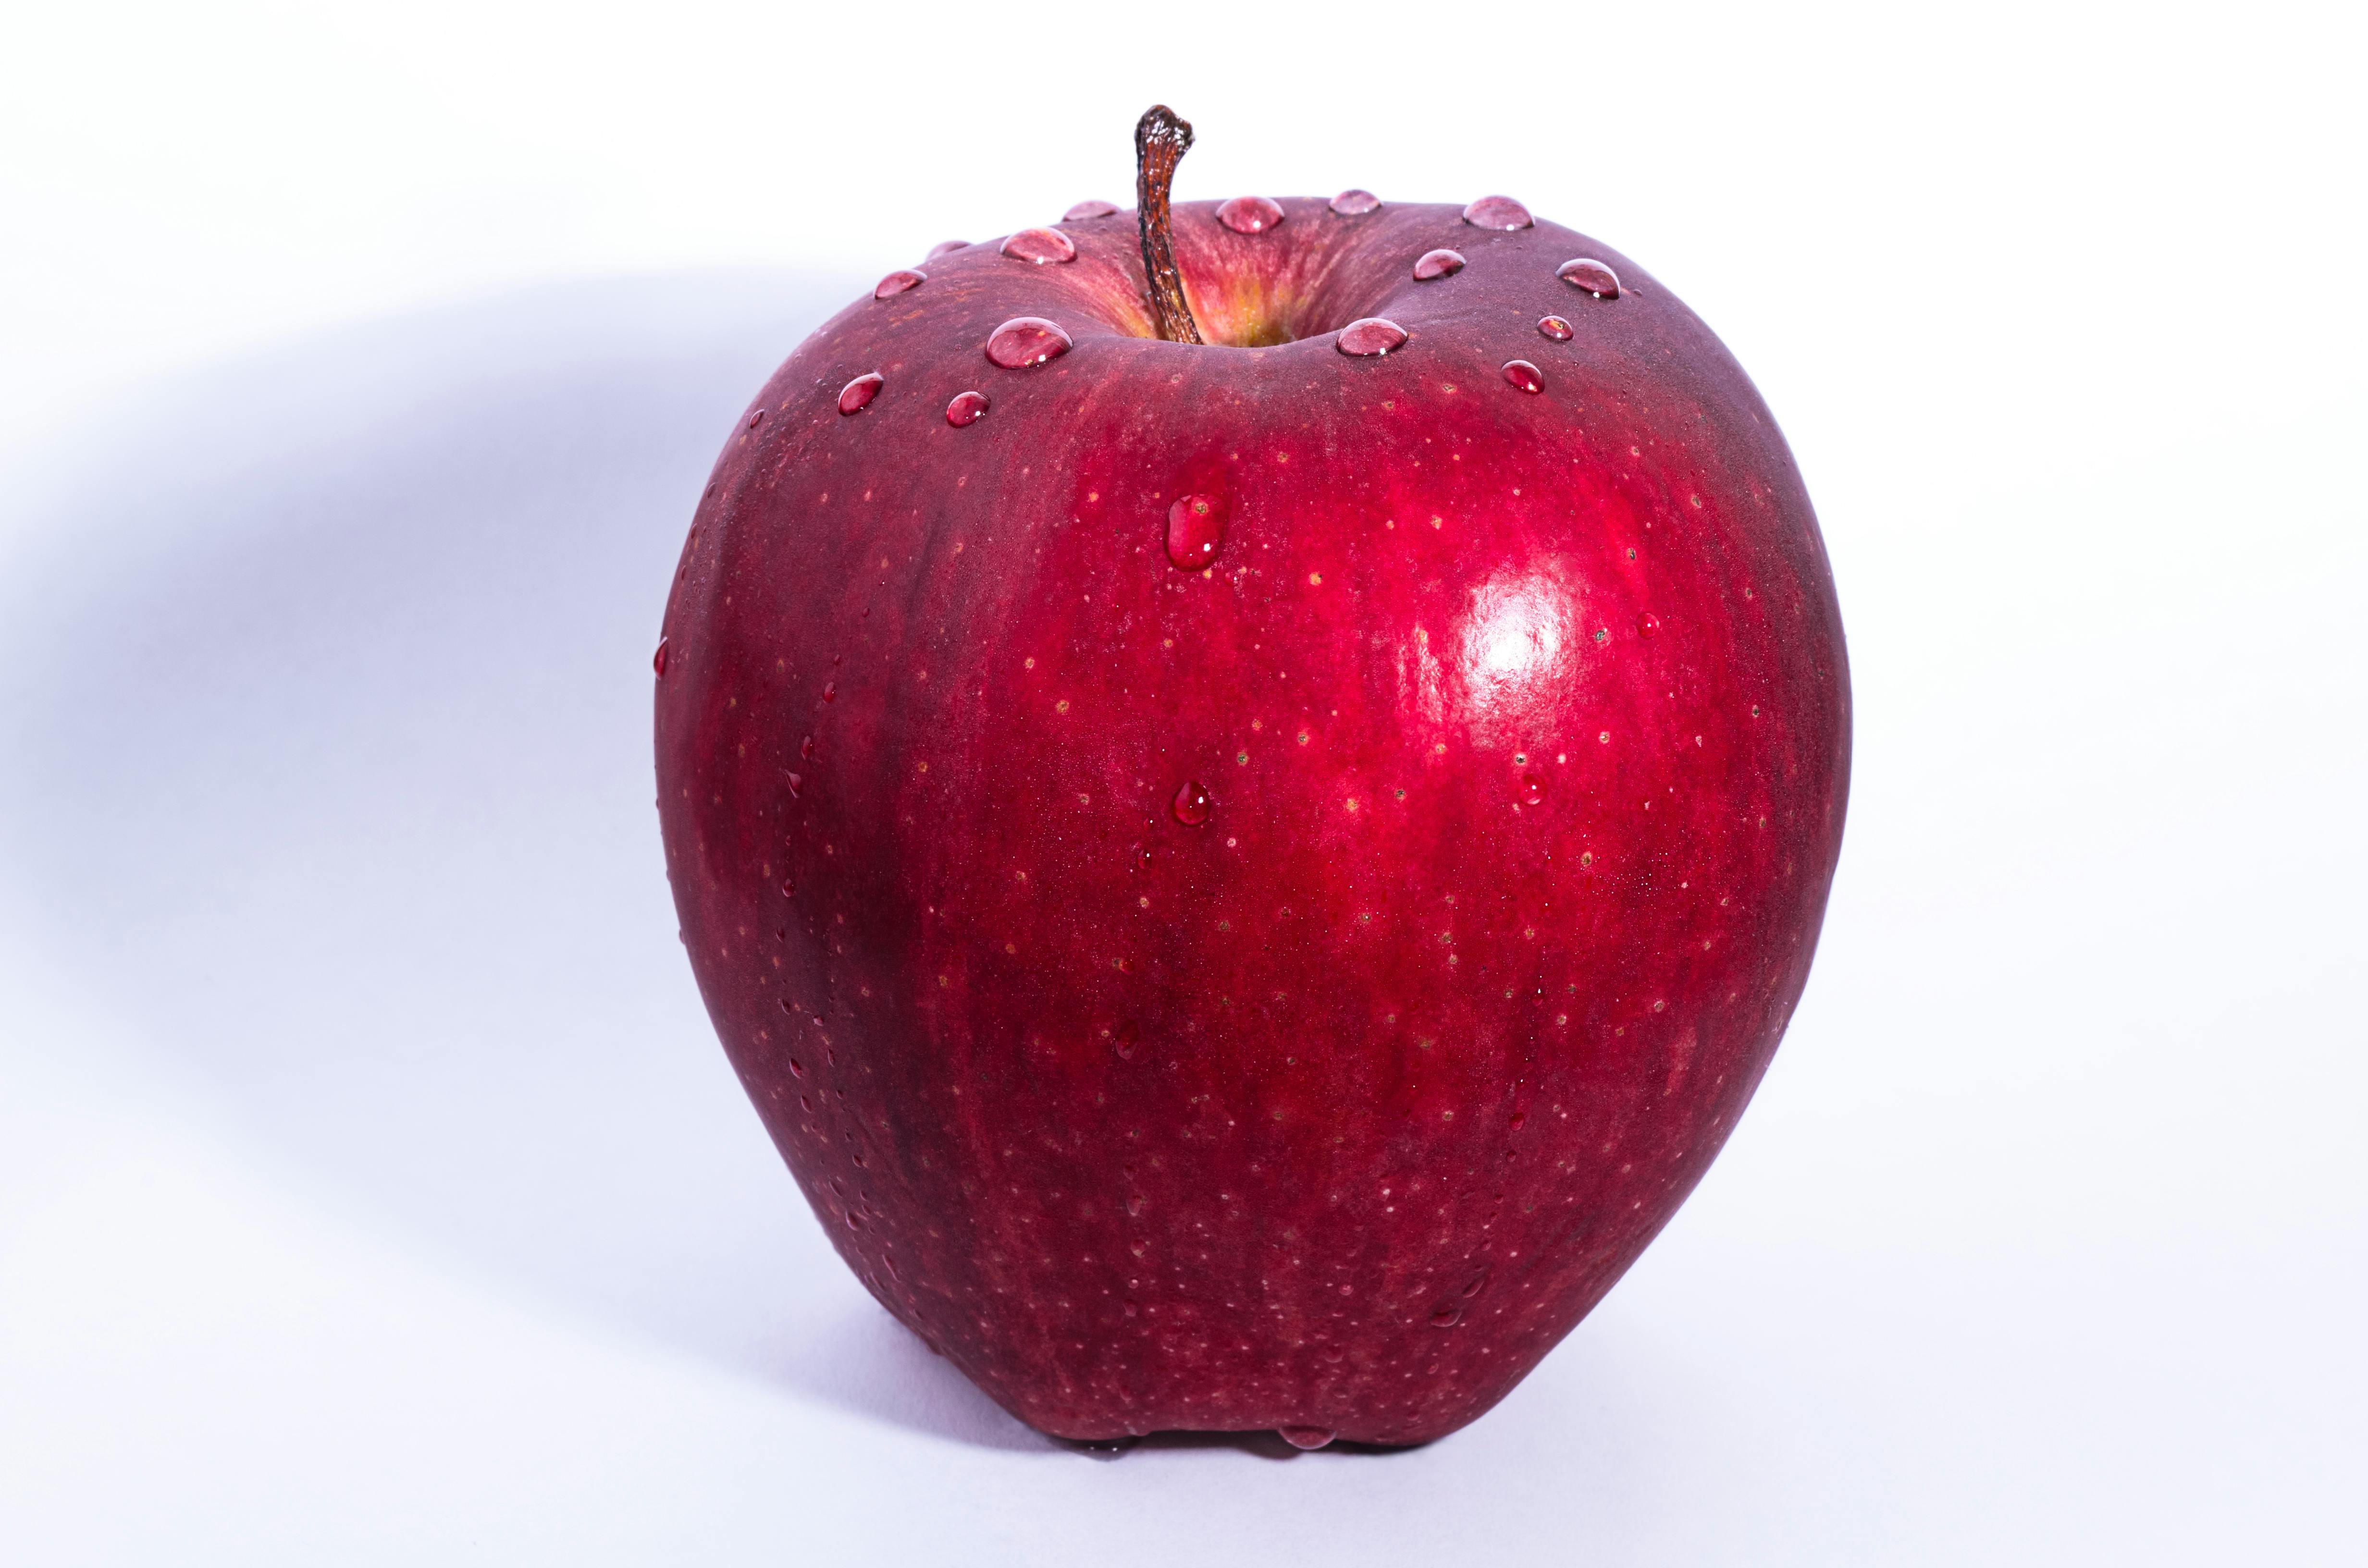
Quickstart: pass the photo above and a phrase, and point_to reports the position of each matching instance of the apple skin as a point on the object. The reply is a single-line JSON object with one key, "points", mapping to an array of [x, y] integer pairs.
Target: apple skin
{"points": [[1338, 1109]]}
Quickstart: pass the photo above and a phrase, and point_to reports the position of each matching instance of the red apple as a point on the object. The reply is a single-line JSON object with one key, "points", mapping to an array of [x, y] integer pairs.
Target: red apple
{"points": [[1248, 880]]}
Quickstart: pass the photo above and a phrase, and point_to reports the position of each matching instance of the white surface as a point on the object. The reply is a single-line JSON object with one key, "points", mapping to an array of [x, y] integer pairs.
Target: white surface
{"points": [[371, 1188]]}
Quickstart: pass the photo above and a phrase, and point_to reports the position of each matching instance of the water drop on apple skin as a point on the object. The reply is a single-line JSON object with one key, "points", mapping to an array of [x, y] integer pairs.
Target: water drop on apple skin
{"points": [[1195, 530], [1024, 341], [857, 395], [1249, 214], [966, 408], [1043, 247], [1371, 337], [1532, 790], [1092, 207], [898, 281], [1648, 624], [1355, 203], [1522, 374], [946, 247], [1192, 804], [1125, 1038], [658, 660], [1308, 1438], [1447, 1317], [1435, 264], [1497, 212], [1554, 327], [1592, 277]]}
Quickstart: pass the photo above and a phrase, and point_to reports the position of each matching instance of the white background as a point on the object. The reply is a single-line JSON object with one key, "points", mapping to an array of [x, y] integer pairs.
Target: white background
{"points": [[370, 1186]]}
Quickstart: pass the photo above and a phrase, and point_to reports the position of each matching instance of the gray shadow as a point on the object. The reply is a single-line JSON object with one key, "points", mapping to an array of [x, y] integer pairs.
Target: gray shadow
{"points": [[325, 759]]}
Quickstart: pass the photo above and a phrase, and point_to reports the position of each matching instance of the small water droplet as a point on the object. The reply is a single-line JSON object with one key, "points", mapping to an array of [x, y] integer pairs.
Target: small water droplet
{"points": [[806, 748], [1497, 212], [1585, 272], [857, 395], [1370, 337], [756, 419], [1524, 375], [1195, 528], [1125, 1037], [965, 408], [1106, 1448], [1447, 1316], [658, 660], [1192, 804], [1092, 207], [1533, 789], [1249, 214], [898, 281], [1437, 264], [789, 888], [1308, 1438], [1041, 246], [946, 247], [1520, 1117], [830, 691], [1554, 327], [797, 1068], [1026, 340], [1353, 203], [796, 781], [1648, 624]]}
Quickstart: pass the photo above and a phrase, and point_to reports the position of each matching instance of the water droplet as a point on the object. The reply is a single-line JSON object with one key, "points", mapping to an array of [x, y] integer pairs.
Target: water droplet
{"points": [[1041, 246], [1447, 1316], [830, 691], [1134, 1204], [897, 282], [946, 247], [1249, 214], [806, 748], [1554, 327], [1533, 789], [1585, 272], [1106, 1448], [1093, 206], [857, 395], [965, 408], [658, 660], [797, 1068], [1524, 375], [1520, 1117], [1355, 203], [1192, 804], [1309, 1437], [797, 780], [1437, 264], [1125, 1037], [1026, 340], [789, 888], [1370, 335], [1195, 528], [1648, 624], [756, 419], [1497, 212]]}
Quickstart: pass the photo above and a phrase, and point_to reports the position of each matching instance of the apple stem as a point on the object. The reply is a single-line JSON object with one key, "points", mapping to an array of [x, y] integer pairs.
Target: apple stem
{"points": [[1161, 139]]}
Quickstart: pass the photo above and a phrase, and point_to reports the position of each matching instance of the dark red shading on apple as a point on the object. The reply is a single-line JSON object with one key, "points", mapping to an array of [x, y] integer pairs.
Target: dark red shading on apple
{"points": [[1289, 991]]}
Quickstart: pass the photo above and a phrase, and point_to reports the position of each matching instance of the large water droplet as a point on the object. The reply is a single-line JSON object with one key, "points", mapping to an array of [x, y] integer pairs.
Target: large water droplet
{"points": [[857, 395], [1586, 272], [1648, 624], [1308, 1438], [1249, 214], [1522, 374], [1437, 264], [946, 247], [1497, 212], [1040, 246], [1370, 335], [1554, 327], [1093, 206], [1192, 804], [897, 282], [1355, 203], [1026, 340], [658, 660], [1195, 528], [965, 408], [1532, 790]]}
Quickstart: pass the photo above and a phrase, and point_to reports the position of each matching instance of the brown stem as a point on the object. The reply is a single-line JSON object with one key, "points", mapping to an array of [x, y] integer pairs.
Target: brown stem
{"points": [[1161, 139]]}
